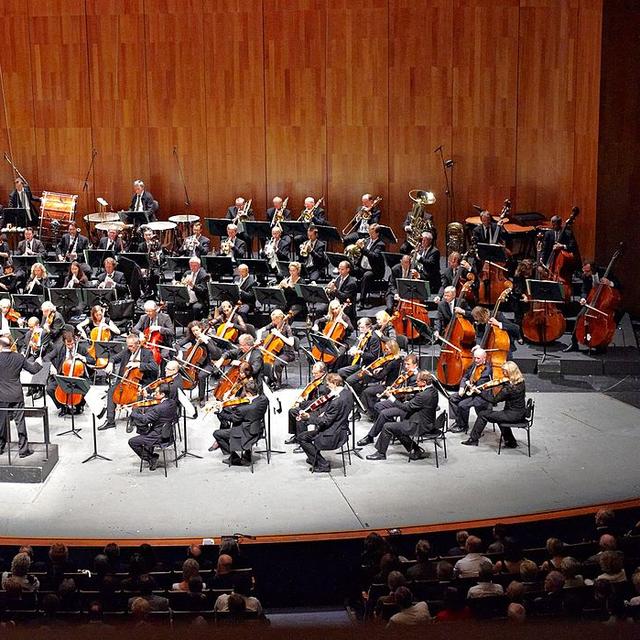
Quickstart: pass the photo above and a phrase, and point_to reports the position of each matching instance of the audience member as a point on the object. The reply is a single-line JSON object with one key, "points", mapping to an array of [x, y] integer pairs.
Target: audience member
{"points": [[485, 586], [148, 555], [499, 536], [137, 567], [223, 575], [190, 568], [552, 600], [529, 576], [389, 562], [612, 567], [635, 580], [20, 566], [515, 591], [516, 613], [423, 569], [605, 522], [59, 564], [555, 549], [512, 557], [242, 587], [196, 552], [410, 614], [140, 612], [444, 571], [570, 568], [69, 595], [469, 565], [146, 585], [112, 551], [454, 607], [461, 540], [394, 581]]}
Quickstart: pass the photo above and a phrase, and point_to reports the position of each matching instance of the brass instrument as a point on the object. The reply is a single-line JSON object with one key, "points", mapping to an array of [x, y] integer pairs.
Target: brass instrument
{"points": [[455, 237], [363, 213], [305, 249], [225, 247], [354, 251], [270, 253], [418, 220], [190, 243], [307, 214], [243, 212], [278, 216]]}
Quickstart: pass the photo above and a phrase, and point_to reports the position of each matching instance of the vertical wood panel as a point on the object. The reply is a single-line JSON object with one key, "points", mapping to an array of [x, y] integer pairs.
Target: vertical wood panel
{"points": [[295, 95], [485, 64], [357, 105], [420, 116], [235, 102]]}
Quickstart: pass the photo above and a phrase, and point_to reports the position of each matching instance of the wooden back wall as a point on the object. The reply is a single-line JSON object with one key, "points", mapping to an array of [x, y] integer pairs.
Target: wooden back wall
{"points": [[298, 97]]}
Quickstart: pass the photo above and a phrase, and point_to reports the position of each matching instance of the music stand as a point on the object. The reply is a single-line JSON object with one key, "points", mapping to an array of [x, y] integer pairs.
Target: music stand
{"points": [[223, 344], [328, 233], [547, 292], [325, 344], [57, 269], [217, 226], [355, 449], [26, 303], [97, 407], [270, 297], [218, 266], [425, 332], [392, 259], [312, 294], [137, 218], [491, 253], [294, 228], [259, 268], [25, 262], [16, 217], [109, 349], [93, 296], [95, 257], [138, 258], [336, 258], [177, 264], [409, 289], [65, 299], [175, 295], [387, 234], [257, 229], [73, 386], [220, 291], [186, 405]]}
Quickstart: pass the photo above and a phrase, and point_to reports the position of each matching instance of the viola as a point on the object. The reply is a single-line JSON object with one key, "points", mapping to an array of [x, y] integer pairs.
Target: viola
{"points": [[310, 388], [316, 404], [72, 368], [13, 316], [596, 323], [144, 404], [101, 333], [335, 330], [272, 345], [562, 263], [152, 386], [491, 384], [494, 274]]}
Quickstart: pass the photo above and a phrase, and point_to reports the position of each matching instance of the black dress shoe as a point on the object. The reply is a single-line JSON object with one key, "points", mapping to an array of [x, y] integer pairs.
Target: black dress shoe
{"points": [[107, 425], [571, 347], [202, 403], [298, 450], [214, 446], [2, 448], [26, 454], [62, 412], [363, 442], [38, 394], [510, 445], [326, 469], [153, 463], [419, 454], [129, 428], [470, 442], [457, 429], [377, 456], [291, 440]]}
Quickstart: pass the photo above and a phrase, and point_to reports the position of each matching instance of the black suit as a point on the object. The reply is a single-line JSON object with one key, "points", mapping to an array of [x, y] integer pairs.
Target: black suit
{"points": [[295, 425], [113, 245], [420, 419], [57, 357], [162, 320], [255, 360], [443, 318], [200, 248], [372, 251], [201, 291], [372, 350], [459, 406], [239, 249], [332, 429], [148, 205], [346, 289], [18, 203], [51, 332], [563, 236], [37, 248], [429, 264], [232, 212], [154, 426], [271, 212], [67, 242], [448, 277], [121, 286], [490, 234], [316, 260], [374, 217], [247, 423], [397, 273], [515, 408], [247, 297], [11, 364]]}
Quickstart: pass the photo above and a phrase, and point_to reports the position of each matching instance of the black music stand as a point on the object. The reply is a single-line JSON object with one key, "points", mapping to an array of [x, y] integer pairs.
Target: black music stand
{"points": [[259, 268], [547, 292], [324, 344], [57, 269], [392, 259], [312, 294], [327, 233], [15, 217], [491, 253], [336, 258], [64, 299], [182, 401], [109, 349], [257, 229], [177, 264], [217, 226], [25, 263], [27, 303], [138, 258], [95, 455], [73, 386], [136, 218], [218, 266], [95, 257], [387, 234], [270, 297], [354, 448], [176, 296], [220, 291], [426, 333], [221, 343], [93, 296], [294, 228], [408, 288]]}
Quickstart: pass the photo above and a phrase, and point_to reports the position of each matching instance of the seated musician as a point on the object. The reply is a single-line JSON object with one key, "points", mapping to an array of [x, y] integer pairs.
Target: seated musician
{"points": [[30, 246], [225, 317], [460, 403], [457, 269], [153, 320], [247, 424], [32, 345], [367, 349], [488, 231], [22, 198], [195, 335], [295, 304], [97, 319], [142, 201], [152, 247], [10, 280], [246, 282], [111, 242], [335, 314], [309, 216], [69, 350], [72, 245], [196, 280], [277, 248], [8, 317], [344, 288], [277, 212], [171, 377], [367, 208], [327, 426], [111, 278], [133, 357], [244, 208], [383, 407], [238, 354], [196, 244], [427, 259], [154, 425], [312, 255], [446, 309], [52, 325], [39, 280], [232, 211], [75, 278], [401, 271], [419, 419], [557, 239], [515, 408], [519, 294], [371, 266], [278, 327], [384, 327], [316, 388], [482, 317], [233, 245]]}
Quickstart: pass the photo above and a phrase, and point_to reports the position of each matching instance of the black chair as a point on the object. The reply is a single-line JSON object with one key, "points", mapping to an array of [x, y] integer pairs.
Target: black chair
{"points": [[254, 441], [344, 439], [164, 445], [488, 607], [527, 423], [438, 436]]}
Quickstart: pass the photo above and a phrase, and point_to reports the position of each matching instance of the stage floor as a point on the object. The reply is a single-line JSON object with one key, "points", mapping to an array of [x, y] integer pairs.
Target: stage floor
{"points": [[584, 451]]}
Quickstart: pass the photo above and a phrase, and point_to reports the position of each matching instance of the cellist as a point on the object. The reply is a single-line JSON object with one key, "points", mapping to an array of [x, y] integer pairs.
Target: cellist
{"points": [[280, 328], [235, 356], [482, 317], [226, 314], [133, 357], [97, 320], [153, 321]]}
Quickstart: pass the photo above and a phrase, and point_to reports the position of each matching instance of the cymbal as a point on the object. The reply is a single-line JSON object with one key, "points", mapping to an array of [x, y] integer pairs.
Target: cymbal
{"points": [[102, 216], [183, 218], [159, 225], [113, 224]]}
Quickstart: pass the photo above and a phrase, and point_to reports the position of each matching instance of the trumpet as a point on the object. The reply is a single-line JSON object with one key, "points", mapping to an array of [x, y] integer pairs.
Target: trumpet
{"points": [[243, 212], [305, 249], [363, 213], [307, 214]]}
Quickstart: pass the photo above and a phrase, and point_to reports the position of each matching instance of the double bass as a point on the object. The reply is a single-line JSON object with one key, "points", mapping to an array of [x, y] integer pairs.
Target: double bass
{"points": [[596, 323], [494, 275], [459, 339], [335, 330], [562, 263]]}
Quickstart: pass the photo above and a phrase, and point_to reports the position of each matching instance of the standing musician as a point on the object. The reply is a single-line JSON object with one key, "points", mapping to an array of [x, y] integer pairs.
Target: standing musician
{"points": [[247, 424], [382, 406], [460, 403], [111, 242], [194, 336], [52, 325], [316, 388], [97, 319], [225, 315], [234, 245], [371, 265], [276, 249], [8, 318], [11, 364], [38, 281], [235, 356], [312, 254], [488, 231], [22, 198], [133, 357], [30, 246], [427, 260], [515, 408], [557, 238], [154, 320], [142, 201], [72, 245], [277, 212], [344, 287], [519, 295], [367, 349], [295, 304], [154, 425], [245, 282], [75, 278], [456, 270], [240, 213], [328, 426], [69, 350], [278, 327], [196, 244], [447, 308], [111, 278], [403, 270], [310, 215], [196, 280], [368, 214], [420, 419], [482, 317]]}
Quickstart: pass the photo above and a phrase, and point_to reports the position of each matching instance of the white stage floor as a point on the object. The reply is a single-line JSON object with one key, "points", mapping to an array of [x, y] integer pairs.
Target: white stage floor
{"points": [[584, 451]]}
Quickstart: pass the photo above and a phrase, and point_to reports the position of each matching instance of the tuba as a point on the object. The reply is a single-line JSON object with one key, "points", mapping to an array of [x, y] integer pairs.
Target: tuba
{"points": [[455, 237], [419, 220]]}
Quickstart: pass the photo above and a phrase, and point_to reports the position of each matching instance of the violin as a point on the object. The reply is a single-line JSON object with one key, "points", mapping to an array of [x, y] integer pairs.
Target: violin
{"points": [[397, 383], [152, 386], [13, 316], [378, 363], [494, 275], [491, 384], [73, 368], [225, 404], [316, 404], [362, 343], [101, 333], [335, 330], [596, 323], [309, 389], [144, 404], [273, 344]]}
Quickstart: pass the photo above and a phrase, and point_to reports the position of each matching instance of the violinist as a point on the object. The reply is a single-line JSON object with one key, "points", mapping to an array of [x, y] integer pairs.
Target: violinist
{"points": [[196, 244], [97, 319], [482, 317], [154, 425], [69, 350], [558, 238], [235, 356], [384, 327], [447, 308], [225, 315], [196, 280], [371, 265], [460, 403], [52, 325], [247, 424], [515, 409], [419, 419], [427, 261], [8, 317], [32, 346], [455, 271], [134, 357], [72, 245], [317, 387], [245, 282], [111, 278], [383, 406], [30, 246], [279, 328], [154, 321], [365, 350], [344, 288], [39, 280], [403, 270], [195, 335], [111, 242], [295, 303]]}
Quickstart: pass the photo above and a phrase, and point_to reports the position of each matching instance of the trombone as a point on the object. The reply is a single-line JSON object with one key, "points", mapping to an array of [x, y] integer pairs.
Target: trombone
{"points": [[243, 212], [363, 213]]}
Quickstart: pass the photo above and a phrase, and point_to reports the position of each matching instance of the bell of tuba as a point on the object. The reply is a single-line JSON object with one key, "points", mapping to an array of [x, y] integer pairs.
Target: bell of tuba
{"points": [[419, 220], [455, 237]]}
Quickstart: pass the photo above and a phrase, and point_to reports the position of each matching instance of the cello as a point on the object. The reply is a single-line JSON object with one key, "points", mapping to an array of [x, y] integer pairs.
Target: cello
{"points": [[273, 344], [409, 307], [195, 357], [596, 324], [544, 322], [335, 330], [496, 341], [153, 339], [226, 330], [562, 262], [101, 333], [494, 275], [73, 368], [128, 390], [459, 338]]}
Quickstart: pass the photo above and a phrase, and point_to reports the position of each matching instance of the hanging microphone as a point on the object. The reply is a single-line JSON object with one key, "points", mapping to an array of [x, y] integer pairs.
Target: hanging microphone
{"points": [[438, 148]]}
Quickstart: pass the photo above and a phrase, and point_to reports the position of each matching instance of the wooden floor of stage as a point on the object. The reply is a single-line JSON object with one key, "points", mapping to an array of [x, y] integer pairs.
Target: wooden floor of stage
{"points": [[584, 451]]}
